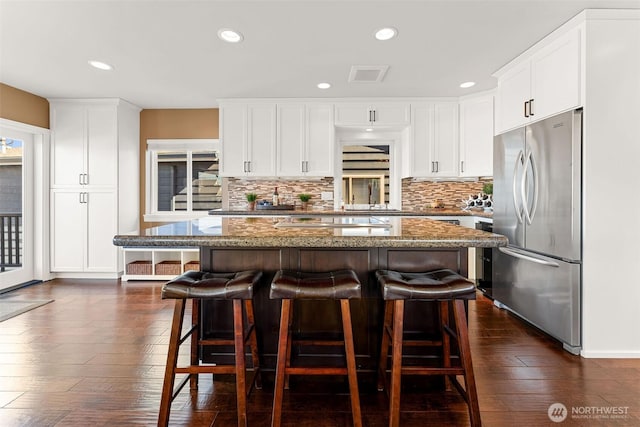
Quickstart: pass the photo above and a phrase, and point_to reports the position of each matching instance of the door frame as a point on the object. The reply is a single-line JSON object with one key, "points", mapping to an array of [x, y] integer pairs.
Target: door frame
{"points": [[378, 137], [40, 183]]}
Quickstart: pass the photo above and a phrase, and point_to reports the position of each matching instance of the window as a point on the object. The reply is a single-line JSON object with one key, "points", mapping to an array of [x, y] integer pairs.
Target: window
{"points": [[182, 178]]}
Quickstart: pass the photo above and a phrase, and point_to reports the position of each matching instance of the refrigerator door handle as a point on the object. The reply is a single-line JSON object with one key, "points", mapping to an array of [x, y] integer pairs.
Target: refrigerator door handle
{"points": [[529, 162], [531, 258], [519, 160], [534, 171]]}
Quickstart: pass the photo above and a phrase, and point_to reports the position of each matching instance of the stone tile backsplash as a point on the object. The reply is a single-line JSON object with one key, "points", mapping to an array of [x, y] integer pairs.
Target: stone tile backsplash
{"points": [[287, 189], [416, 194]]}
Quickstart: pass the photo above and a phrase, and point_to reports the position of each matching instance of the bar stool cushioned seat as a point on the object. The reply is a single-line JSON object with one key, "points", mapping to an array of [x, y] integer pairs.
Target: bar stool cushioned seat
{"points": [[197, 285], [290, 285], [444, 287]]}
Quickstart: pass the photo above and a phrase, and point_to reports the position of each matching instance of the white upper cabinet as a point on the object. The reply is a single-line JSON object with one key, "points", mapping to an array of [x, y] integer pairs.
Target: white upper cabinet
{"points": [[545, 83], [434, 140], [476, 136], [305, 140], [388, 114], [248, 139], [84, 147]]}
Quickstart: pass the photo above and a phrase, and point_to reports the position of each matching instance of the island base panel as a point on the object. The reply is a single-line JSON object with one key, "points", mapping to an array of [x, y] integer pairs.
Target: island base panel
{"points": [[320, 316]]}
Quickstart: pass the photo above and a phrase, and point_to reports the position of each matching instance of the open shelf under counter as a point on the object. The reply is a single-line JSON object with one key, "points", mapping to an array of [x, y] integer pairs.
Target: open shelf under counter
{"points": [[158, 263]]}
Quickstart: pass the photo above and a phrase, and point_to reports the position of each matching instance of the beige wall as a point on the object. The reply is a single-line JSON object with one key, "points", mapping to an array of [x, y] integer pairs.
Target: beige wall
{"points": [[172, 124], [23, 107]]}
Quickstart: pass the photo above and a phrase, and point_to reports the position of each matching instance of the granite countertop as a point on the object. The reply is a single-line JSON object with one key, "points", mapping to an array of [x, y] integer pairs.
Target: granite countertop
{"points": [[330, 231], [377, 212]]}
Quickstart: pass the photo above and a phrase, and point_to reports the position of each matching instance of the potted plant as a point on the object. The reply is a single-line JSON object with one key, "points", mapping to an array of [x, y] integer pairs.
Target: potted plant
{"points": [[304, 198], [487, 188], [251, 199]]}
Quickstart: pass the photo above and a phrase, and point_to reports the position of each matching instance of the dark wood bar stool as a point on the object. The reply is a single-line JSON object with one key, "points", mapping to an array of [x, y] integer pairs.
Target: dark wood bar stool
{"points": [[196, 285], [445, 287], [337, 285]]}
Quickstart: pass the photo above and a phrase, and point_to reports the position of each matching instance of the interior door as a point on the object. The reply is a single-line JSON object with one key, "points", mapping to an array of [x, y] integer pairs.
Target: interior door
{"points": [[16, 207]]}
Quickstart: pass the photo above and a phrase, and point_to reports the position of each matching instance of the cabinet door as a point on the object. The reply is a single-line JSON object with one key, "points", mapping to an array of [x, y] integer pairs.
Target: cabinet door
{"points": [[101, 226], [556, 74], [514, 89], [422, 139], [233, 140], [102, 147], [391, 114], [291, 137], [445, 147], [476, 137], [352, 114], [68, 145], [68, 229], [319, 147], [261, 142]]}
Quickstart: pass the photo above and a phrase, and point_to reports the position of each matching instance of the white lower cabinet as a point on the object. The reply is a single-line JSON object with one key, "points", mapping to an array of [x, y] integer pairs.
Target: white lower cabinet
{"points": [[158, 263], [83, 224]]}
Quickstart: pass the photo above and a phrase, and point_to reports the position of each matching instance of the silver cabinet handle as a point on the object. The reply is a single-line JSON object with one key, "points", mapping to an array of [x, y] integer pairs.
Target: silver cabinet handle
{"points": [[531, 258], [461, 166], [437, 167], [374, 115], [80, 178], [86, 179]]}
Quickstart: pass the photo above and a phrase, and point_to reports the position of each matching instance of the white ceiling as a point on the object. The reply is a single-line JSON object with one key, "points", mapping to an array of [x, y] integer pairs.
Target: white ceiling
{"points": [[167, 54]]}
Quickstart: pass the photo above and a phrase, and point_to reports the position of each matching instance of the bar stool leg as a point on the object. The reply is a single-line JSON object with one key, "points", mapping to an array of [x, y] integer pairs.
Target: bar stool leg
{"points": [[238, 340], [446, 340], [384, 348], [347, 328], [253, 343], [172, 360], [465, 358], [195, 338], [283, 342], [396, 363], [289, 345]]}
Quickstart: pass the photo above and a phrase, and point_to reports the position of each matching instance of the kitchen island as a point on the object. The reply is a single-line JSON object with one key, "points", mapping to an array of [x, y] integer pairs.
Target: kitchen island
{"points": [[319, 243]]}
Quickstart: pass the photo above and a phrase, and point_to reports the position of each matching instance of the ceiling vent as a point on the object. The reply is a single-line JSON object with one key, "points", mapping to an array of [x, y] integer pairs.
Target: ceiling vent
{"points": [[367, 73]]}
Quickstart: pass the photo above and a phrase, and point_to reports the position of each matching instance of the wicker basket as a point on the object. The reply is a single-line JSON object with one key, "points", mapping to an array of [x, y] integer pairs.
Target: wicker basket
{"points": [[139, 267], [168, 268], [192, 265]]}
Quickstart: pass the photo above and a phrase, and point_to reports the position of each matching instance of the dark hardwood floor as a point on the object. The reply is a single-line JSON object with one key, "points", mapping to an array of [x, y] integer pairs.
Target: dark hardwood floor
{"points": [[96, 355]]}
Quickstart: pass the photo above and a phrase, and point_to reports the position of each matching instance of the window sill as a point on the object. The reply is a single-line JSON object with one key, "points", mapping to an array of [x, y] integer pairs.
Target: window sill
{"points": [[173, 216]]}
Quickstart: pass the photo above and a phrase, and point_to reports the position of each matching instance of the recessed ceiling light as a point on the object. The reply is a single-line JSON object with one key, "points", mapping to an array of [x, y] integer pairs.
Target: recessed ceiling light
{"points": [[369, 130], [324, 85], [101, 65], [386, 33], [229, 35], [467, 84]]}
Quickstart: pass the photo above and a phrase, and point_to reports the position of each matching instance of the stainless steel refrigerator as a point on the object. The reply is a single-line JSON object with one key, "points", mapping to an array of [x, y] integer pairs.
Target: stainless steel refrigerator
{"points": [[537, 205]]}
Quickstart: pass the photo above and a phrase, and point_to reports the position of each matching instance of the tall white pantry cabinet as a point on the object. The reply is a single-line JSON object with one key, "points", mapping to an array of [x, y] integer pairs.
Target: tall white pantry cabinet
{"points": [[94, 184]]}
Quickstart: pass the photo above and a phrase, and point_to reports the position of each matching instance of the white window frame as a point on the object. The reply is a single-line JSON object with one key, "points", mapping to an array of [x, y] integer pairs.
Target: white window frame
{"points": [[151, 184]]}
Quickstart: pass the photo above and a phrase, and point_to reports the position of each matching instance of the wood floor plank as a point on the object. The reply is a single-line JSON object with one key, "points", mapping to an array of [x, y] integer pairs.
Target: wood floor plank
{"points": [[96, 356]]}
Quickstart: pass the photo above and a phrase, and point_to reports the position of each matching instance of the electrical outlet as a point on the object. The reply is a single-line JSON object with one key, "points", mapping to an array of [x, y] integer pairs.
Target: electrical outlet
{"points": [[326, 195]]}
